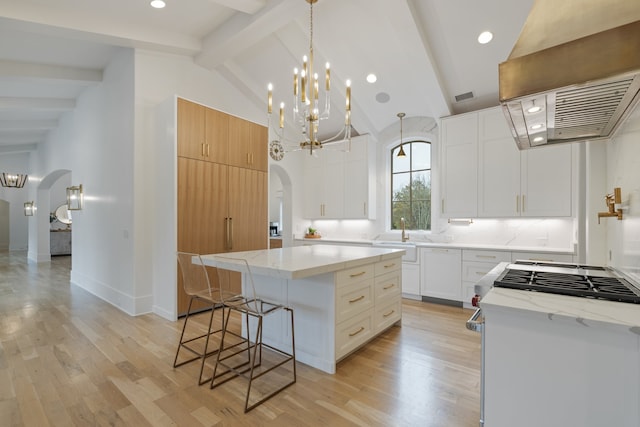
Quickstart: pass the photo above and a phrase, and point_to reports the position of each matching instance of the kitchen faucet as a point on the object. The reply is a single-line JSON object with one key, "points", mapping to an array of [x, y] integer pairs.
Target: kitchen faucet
{"points": [[405, 237]]}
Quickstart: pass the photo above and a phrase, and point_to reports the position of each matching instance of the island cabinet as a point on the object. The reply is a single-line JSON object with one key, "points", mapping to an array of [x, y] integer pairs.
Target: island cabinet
{"points": [[368, 301], [221, 202]]}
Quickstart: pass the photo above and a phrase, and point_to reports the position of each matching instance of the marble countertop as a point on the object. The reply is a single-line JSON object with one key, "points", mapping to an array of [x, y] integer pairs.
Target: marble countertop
{"points": [[587, 312], [453, 245], [298, 262]]}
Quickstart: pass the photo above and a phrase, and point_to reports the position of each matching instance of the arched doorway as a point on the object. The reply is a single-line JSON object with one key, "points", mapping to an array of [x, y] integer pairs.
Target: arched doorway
{"points": [[285, 198]]}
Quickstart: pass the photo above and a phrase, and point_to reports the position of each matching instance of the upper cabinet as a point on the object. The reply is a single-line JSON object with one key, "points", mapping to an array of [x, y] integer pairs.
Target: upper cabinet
{"points": [[512, 183], [198, 129], [459, 142], [341, 185], [485, 175], [247, 144]]}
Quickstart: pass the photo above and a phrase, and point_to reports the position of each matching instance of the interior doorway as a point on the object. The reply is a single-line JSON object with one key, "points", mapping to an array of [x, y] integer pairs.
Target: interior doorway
{"points": [[280, 202]]}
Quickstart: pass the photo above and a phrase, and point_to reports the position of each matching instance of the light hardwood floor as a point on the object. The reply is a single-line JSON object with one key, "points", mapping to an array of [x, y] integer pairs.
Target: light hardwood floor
{"points": [[68, 358]]}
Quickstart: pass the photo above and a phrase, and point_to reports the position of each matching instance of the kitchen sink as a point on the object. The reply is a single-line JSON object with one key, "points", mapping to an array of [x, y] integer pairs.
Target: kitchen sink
{"points": [[409, 247]]}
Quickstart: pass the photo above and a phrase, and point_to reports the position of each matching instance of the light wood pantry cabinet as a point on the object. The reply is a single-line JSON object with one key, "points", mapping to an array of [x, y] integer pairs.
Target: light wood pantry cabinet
{"points": [[199, 131], [247, 144], [459, 141], [514, 183], [221, 207]]}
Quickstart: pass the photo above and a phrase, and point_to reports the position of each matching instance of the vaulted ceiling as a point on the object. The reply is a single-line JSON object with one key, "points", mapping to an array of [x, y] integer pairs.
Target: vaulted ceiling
{"points": [[424, 52]]}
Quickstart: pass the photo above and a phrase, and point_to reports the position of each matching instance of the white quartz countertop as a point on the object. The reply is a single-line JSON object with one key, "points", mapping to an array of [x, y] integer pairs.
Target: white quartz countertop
{"points": [[453, 245], [298, 262], [586, 311]]}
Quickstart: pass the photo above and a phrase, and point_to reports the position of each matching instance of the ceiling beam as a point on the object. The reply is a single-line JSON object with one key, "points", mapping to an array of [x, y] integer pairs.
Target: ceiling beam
{"points": [[52, 73], [48, 104], [245, 6], [21, 125], [243, 31]]}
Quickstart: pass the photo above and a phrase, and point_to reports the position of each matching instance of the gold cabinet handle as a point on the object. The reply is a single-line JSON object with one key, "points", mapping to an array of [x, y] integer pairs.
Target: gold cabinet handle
{"points": [[230, 233], [523, 204], [389, 313], [486, 256], [353, 334], [393, 285], [361, 297], [357, 274], [202, 149], [517, 204], [390, 265], [481, 273], [364, 208]]}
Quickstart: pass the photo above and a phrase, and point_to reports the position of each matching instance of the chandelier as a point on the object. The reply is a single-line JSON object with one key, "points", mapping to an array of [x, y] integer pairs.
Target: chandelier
{"points": [[13, 180], [306, 108]]}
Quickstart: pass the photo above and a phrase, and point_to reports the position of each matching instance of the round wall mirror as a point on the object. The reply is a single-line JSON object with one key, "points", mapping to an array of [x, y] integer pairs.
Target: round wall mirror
{"points": [[63, 215]]}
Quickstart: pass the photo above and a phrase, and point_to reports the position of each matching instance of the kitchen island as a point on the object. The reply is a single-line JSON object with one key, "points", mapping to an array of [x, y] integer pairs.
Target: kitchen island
{"points": [[555, 360], [342, 296]]}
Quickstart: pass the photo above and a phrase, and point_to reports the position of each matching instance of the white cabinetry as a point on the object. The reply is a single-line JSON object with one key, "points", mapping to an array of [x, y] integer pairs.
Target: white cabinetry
{"points": [[459, 143], [540, 256], [441, 276], [512, 183], [341, 185], [476, 264]]}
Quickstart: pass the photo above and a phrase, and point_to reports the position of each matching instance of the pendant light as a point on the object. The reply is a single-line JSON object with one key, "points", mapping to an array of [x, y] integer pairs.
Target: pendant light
{"points": [[401, 153]]}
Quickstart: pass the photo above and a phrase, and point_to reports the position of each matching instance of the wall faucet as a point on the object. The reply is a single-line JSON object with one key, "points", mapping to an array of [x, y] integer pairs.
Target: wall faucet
{"points": [[613, 201], [405, 236]]}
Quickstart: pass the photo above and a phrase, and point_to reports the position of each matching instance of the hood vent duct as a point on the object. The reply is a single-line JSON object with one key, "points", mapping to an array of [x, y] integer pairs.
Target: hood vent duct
{"points": [[578, 89]]}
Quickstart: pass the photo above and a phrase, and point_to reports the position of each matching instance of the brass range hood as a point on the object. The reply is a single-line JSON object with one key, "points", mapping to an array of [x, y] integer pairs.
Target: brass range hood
{"points": [[574, 73]]}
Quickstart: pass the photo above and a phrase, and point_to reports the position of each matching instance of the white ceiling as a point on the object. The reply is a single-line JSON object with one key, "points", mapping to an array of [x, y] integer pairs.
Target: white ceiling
{"points": [[424, 52]]}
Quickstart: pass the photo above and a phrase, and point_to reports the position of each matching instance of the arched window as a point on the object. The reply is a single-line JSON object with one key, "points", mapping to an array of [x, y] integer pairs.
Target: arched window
{"points": [[411, 186]]}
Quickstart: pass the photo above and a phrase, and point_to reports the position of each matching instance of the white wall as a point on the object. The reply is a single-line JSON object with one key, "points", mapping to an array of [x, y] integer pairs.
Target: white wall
{"points": [[623, 170], [96, 143], [18, 223]]}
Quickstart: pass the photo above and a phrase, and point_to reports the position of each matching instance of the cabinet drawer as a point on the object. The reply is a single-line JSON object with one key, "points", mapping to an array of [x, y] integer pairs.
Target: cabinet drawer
{"points": [[486, 256], [353, 333], [473, 271], [387, 286], [387, 266], [387, 315], [356, 274], [353, 299], [539, 256]]}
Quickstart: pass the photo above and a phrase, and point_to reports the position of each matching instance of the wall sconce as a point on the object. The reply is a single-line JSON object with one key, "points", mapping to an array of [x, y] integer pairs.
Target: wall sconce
{"points": [[29, 208], [75, 198], [13, 180]]}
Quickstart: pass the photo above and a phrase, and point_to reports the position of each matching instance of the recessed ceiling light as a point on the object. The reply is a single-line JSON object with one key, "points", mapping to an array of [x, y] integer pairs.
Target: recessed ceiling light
{"points": [[371, 78], [485, 37], [534, 109], [158, 4], [538, 139], [536, 126]]}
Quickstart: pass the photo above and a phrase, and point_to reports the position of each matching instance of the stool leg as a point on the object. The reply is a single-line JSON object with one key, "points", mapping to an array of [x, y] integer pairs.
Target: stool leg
{"points": [[184, 327], [257, 343], [206, 346]]}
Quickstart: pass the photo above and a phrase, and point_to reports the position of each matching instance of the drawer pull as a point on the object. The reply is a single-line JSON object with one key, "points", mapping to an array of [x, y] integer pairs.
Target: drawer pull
{"points": [[353, 334], [356, 299], [390, 265], [357, 274], [393, 285], [480, 273], [389, 313], [486, 256]]}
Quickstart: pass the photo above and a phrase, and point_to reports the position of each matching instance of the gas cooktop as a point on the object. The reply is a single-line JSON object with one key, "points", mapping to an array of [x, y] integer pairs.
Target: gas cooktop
{"points": [[568, 279]]}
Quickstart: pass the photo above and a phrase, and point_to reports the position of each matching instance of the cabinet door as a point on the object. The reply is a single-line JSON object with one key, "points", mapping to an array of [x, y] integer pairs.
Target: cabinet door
{"points": [[247, 144], [460, 165], [217, 135], [411, 279], [498, 178], [546, 181], [334, 184], [248, 209], [441, 273], [202, 208], [191, 130], [359, 180], [313, 190]]}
